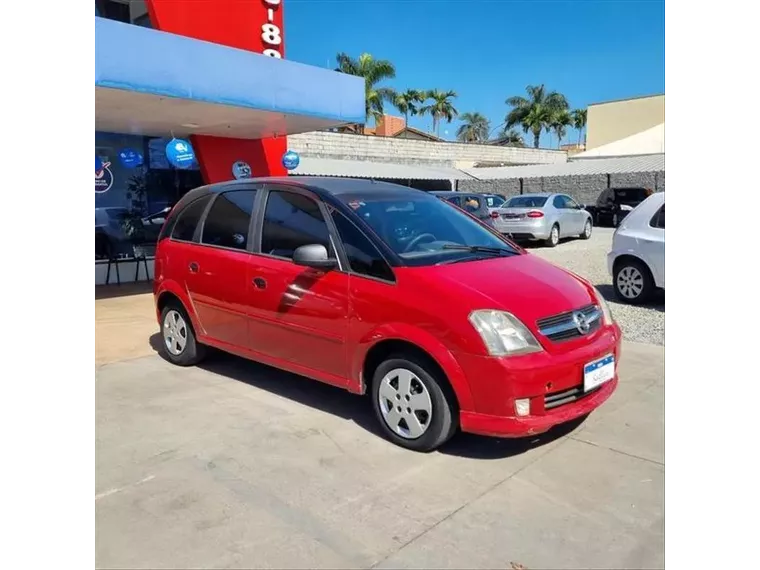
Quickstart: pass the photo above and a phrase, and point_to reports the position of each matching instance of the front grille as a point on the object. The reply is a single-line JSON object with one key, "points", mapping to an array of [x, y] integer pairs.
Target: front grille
{"points": [[565, 397], [563, 327]]}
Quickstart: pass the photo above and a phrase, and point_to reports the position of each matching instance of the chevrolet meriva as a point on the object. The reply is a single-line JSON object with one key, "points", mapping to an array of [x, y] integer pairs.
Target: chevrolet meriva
{"points": [[379, 288]]}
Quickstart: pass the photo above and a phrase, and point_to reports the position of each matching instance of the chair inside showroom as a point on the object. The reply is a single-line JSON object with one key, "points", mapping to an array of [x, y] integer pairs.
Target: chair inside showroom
{"points": [[105, 250], [143, 251]]}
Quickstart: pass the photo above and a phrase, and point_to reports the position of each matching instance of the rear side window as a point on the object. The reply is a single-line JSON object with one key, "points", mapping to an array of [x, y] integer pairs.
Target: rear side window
{"points": [[559, 202], [363, 256], [229, 220], [290, 221], [454, 200], [658, 220], [184, 228], [494, 201]]}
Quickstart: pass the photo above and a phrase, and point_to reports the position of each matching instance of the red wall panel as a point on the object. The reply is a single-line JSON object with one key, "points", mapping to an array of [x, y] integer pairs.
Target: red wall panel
{"points": [[241, 24]]}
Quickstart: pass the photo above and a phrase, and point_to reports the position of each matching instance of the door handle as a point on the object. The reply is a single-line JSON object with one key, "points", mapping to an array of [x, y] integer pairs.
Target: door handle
{"points": [[194, 267], [260, 283]]}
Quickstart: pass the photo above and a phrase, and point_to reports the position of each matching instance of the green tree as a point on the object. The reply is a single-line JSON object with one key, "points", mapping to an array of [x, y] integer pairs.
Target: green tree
{"points": [[408, 102], [579, 122], [474, 127], [510, 137], [559, 122], [373, 71], [440, 108], [534, 112]]}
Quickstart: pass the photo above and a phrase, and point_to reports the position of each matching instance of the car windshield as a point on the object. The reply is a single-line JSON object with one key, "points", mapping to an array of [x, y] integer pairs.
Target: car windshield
{"points": [[494, 201], [526, 202], [424, 230]]}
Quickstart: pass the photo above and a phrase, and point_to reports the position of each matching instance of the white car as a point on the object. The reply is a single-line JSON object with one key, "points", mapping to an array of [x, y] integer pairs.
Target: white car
{"points": [[637, 259]]}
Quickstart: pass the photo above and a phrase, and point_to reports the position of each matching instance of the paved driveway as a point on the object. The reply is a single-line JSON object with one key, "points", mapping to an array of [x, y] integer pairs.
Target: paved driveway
{"points": [[237, 465]]}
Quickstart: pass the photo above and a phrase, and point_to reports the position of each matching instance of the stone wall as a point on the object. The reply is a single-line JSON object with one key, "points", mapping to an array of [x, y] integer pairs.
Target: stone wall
{"points": [[408, 151], [585, 189]]}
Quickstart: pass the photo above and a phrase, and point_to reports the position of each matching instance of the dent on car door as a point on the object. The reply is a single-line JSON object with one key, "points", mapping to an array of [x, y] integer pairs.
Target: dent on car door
{"points": [[297, 314]]}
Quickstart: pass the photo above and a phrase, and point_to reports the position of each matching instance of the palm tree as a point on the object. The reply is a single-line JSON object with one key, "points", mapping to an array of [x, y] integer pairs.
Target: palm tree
{"points": [[474, 128], [510, 137], [407, 101], [440, 108], [579, 122], [559, 122], [373, 71], [534, 113]]}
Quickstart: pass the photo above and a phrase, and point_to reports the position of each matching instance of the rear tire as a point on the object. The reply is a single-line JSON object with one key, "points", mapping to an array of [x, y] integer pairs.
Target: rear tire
{"points": [[178, 343], [633, 282], [416, 408], [553, 238]]}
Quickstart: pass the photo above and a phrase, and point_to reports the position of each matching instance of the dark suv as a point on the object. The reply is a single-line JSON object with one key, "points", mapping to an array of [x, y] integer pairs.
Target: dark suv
{"points": [[614, 204]]}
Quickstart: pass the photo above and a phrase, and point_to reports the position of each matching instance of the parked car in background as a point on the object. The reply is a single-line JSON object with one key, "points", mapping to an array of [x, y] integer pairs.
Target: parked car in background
{"points": [[546, 217], [111, 238], [384, 290], [494, 201], [472, 203], [614, 204], [637, 259]]}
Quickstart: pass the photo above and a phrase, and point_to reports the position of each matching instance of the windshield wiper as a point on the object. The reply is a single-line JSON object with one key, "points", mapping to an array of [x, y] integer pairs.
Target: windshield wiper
{"points": [[480, 249]]}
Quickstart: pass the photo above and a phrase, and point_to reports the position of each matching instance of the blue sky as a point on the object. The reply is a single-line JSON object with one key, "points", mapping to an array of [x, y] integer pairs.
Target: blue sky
{"points": [[488, 50]]}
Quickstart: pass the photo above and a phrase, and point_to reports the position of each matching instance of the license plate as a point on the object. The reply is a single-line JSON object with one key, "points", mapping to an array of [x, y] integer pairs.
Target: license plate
{"points": [[598, 372]]}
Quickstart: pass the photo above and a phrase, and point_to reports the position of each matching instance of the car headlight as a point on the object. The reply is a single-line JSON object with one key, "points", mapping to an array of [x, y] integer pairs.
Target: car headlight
{"points": [[503, 333], [606, 313]]}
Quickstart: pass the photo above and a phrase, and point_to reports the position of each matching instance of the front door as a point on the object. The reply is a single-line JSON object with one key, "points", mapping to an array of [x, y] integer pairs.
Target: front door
{"points": [[297, 314]]}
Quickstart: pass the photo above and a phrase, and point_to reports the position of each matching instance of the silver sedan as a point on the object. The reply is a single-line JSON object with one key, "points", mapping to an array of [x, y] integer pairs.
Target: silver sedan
{"points": [[546, 217]]}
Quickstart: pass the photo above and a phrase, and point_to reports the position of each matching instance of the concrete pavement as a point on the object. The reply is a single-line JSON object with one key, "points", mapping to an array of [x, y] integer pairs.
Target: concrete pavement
{"points": [[235, 465]]}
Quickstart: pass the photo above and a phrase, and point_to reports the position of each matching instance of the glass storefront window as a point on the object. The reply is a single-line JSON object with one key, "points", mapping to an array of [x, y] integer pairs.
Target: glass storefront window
{"points": [[130, 198]]}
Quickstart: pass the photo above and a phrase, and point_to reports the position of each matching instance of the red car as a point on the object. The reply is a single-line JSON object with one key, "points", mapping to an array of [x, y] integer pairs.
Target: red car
{"points": [[379, 288]]}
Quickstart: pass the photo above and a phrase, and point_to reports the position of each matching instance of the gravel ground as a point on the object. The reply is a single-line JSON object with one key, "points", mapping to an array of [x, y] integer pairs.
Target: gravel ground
{"points": [[588, 258]]}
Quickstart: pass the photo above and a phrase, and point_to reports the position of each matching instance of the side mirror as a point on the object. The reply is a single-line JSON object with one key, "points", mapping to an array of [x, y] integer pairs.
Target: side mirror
{"points": [[315, 256], [581, 206]]}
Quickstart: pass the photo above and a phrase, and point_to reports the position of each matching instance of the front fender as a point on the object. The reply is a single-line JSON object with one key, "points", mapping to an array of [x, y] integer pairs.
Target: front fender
{"points": [[423, 340]]}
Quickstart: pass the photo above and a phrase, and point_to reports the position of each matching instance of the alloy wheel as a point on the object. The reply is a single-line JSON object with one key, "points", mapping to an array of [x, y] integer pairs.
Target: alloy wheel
{"points": [[587, 229], [630, 282], [405, 403], [175, 332]]}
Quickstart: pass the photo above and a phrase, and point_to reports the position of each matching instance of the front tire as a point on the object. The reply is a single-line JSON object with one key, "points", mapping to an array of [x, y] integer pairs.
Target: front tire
{"points": [[413, 404], [615, 220], [179, 345], [553, 238], [586, 230], [633, 282]]}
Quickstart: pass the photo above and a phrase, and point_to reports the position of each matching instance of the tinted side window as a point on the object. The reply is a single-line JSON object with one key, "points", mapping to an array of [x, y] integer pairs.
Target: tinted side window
{"points": [[570, 203], [472, 204], [658, 220], [228, 220], [455, 200], [188, 219], [290, 221], [559, 202], [363, 256]]}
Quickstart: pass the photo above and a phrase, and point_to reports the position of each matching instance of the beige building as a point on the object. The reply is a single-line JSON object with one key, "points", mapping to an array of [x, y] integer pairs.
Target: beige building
{"points": [[614, 121]]}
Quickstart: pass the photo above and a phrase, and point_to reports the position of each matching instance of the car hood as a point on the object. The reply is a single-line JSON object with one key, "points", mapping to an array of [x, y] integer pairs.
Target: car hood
{"points": [[524, 285]]}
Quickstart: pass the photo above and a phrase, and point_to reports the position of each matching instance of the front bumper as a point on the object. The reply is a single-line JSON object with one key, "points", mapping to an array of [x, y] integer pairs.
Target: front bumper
{"points": [[495, 384]]}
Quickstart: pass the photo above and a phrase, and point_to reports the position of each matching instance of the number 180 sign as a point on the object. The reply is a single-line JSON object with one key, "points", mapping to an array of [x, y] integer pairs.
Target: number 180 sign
{"points": [[271, 34]]}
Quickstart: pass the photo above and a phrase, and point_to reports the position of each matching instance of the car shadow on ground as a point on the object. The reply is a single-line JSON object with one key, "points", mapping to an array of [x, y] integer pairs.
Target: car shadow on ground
{"points": [[358, 409], [657, 302]]}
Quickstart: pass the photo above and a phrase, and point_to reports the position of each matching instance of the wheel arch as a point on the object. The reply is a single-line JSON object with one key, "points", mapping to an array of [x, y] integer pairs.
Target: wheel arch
{"points": [[419, 343]]}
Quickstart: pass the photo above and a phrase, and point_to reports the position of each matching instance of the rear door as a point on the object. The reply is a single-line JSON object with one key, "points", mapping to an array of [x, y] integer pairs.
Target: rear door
{"points": [[567, 221], [217, 267], [578, 214], [298, 315]]}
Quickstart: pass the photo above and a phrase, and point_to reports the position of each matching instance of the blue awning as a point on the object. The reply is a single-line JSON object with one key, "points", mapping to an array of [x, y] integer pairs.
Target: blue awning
{"points": [[147, 80]]}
